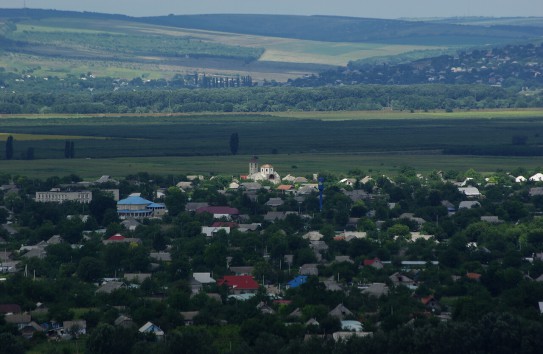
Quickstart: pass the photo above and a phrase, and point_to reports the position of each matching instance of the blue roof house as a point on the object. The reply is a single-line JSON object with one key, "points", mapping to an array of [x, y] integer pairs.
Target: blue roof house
{"points": [[139, 208], [296, 282]]}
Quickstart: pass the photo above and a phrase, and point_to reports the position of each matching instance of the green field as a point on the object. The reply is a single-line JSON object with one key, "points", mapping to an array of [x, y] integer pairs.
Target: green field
{"points": [[312, 142], [298, 165]]}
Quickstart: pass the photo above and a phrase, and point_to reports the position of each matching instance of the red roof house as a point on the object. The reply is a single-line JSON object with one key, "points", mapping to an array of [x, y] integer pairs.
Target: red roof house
{"points": [[375, 263], [116, 237], [239, 284], [473, 276]]}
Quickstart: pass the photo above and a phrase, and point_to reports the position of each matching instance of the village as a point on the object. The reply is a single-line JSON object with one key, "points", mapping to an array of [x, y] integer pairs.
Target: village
{"points": [[262, 261]]}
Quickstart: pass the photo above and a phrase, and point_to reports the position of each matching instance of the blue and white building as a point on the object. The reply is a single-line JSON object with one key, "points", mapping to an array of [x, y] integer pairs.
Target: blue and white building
{"points": [[139, 208]]}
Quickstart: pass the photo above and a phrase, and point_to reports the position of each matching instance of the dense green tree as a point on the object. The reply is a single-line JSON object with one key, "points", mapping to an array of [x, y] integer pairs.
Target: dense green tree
{"points": [[9, 148], [234, 143]]}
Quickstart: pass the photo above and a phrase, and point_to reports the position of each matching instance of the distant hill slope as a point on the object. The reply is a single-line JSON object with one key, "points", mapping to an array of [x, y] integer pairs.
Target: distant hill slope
{"points": [[454, 31], [350, 29], [265, 47]]}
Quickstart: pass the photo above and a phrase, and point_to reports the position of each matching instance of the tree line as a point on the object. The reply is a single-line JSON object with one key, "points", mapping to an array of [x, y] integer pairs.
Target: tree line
{"points": [[270, 99]]}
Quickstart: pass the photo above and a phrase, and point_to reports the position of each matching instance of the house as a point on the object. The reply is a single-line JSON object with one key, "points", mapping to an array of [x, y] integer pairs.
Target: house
{"points": [[150, 328], [345, 336], [356, 195], [193, 206], [118, 238], [374, 263], [247, 270], [137, 277], [313, 236], [296, 282], [272, 216], [249, 227], [400, 279], [331, 284], [297, 313], [468, 204], [19, 320], [239, 284], [130, 224], [348, 181], [264, 308], [204, 278], [350, 325], [309, 269], [520, 179], [39, 253], [342, 259], [412, 217], [535, 191], [340, 312], [106, 179], [210, 231], [431, 303], [318, 247], [251, 187], [75, 328], [491, 219], [9, 309], [376, 290], [275, 202], [137, 207], [28, 330], [414, 236], [285, 188], [219, 212], [195, 286], [161, 256], [111, 286], [538, 177], [350, 235], [188, 317], [470, 192], [473, 276], [184, 185], [124, 322], [450, 206]]}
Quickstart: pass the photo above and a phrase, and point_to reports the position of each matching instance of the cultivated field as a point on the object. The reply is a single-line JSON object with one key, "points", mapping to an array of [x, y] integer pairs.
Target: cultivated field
{"points": [[64, 46]]}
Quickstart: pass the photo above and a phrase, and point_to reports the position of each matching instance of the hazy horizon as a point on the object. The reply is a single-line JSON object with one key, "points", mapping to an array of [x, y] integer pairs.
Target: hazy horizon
{"points": [[382, 9]]}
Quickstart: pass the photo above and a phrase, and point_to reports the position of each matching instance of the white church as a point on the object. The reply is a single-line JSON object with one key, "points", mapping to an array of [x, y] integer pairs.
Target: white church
{"points": [[266, 172]]}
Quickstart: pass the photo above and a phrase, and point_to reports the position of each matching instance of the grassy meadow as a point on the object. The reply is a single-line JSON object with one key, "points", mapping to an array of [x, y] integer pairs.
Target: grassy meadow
{"points": [[295, 142]]}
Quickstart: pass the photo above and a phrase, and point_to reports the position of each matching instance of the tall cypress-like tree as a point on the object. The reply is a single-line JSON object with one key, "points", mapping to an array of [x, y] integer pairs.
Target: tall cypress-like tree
{"points": [[67, 149], [9, 148], [234, 143], [72, 149]]}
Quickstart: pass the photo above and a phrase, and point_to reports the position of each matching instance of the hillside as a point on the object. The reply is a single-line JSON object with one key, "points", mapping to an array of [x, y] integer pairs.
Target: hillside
{"points": [[269, 48], [350, 29]]}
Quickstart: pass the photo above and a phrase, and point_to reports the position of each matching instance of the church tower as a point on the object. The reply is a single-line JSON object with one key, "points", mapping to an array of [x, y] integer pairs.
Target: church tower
{"points": [[253, 165]]}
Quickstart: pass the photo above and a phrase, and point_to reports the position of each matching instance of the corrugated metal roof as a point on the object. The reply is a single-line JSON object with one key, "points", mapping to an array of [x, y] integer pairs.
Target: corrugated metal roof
{"points": [[134, 201]]}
